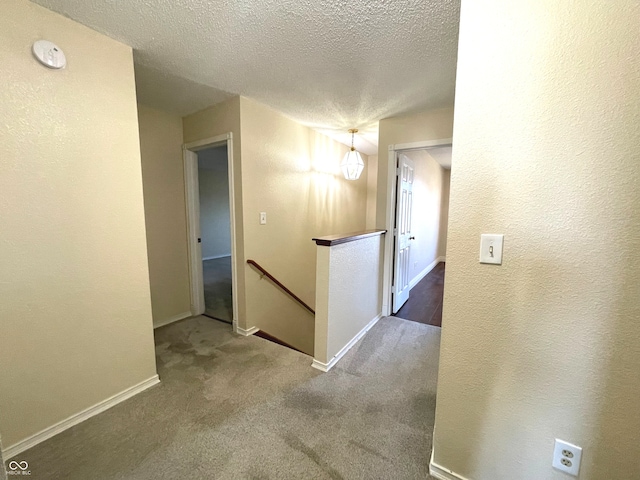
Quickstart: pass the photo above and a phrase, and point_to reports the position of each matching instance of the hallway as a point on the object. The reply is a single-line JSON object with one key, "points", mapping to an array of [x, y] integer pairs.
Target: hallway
{"points": [[235, 407], [218, 301], [425, 301]]}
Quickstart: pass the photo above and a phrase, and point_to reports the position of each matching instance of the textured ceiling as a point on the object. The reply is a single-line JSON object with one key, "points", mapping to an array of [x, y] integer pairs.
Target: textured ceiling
{"points": [[330, 64], [442, 155]]}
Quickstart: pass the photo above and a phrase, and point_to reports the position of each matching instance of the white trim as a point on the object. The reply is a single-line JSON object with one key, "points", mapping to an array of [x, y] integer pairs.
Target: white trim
{"points": [[193, 221], [208, 142], [244, 332], [390, 212], [389, 240], [325, 367], [191, 191], [216, 256], [234, 241], [77, 418], [442, 473], [422, 145], [425, 272], [175, 318]]}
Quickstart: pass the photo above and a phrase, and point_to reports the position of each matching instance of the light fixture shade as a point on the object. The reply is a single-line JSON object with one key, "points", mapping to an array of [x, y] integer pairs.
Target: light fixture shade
{"points": [[352, 165]]}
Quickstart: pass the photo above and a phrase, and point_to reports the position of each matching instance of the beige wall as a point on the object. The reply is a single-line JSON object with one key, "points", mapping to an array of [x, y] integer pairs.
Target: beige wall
{"points": [[292, 173], [76, 311], [429, 212], [371, 169], [221, 119], [547, 345], [164, 208], [420, 127]]}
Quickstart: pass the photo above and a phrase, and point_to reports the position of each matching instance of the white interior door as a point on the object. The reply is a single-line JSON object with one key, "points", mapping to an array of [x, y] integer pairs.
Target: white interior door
{"points": [[402, 231], [193, 225]]}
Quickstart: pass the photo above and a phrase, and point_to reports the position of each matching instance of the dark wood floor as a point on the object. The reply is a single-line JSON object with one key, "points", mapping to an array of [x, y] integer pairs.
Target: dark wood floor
{"points": [[425, 300]]}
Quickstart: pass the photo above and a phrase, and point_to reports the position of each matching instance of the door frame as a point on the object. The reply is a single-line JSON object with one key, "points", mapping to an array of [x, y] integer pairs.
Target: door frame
{"points": [[390, 214], [398, 233], [192, 196]]}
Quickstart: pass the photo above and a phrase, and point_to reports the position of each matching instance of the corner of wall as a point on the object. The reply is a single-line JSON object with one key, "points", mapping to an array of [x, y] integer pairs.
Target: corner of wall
{"points": [[219, 119]]}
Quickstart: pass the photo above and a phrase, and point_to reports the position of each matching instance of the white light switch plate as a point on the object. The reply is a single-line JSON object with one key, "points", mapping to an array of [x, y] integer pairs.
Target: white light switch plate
{"points": [[491, 248], [263, 218]]}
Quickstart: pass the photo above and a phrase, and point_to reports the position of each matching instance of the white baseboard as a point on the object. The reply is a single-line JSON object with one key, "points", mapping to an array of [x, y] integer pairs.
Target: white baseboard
{"points": [[247, 332], [442, 473], [215, 256], [77, 418], [175, 318], [325, 367], [425, 272]]}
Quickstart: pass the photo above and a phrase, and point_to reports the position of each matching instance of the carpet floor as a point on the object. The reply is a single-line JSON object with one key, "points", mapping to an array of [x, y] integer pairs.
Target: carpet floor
{"points": [[217, 288], [232, 407]]}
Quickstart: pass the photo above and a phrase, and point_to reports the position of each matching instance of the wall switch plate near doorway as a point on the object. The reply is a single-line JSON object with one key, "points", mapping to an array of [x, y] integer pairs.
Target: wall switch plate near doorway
{"points": [[491, 248]]}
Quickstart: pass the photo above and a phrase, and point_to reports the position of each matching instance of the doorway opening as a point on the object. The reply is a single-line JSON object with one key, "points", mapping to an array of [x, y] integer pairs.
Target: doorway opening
{"points": [[215, 232], [418, 216], [211, 222]]}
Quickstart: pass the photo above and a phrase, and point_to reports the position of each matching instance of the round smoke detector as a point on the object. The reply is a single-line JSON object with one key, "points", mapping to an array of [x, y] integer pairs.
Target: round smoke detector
{"points": [[49, 54]]}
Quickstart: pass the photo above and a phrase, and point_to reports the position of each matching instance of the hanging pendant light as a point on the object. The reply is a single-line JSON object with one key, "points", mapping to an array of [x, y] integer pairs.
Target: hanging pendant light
{"points": [[352, 164]]}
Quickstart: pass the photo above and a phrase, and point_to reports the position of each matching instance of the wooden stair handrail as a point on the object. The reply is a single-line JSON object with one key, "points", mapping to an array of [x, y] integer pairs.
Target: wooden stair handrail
{"points": [[285, 289]]}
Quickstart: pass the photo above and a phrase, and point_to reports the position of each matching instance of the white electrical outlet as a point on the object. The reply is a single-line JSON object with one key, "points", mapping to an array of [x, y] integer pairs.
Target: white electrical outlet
{"points": [[566, 457]]}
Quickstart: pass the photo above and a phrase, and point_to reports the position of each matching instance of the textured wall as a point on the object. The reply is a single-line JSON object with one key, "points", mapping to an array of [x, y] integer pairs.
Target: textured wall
{"points": [[213, 187], [164, 211], [371, 169], [292, 173], [218, 120], [76, 323], [343, 310], [420, 127], [547, 345]]}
